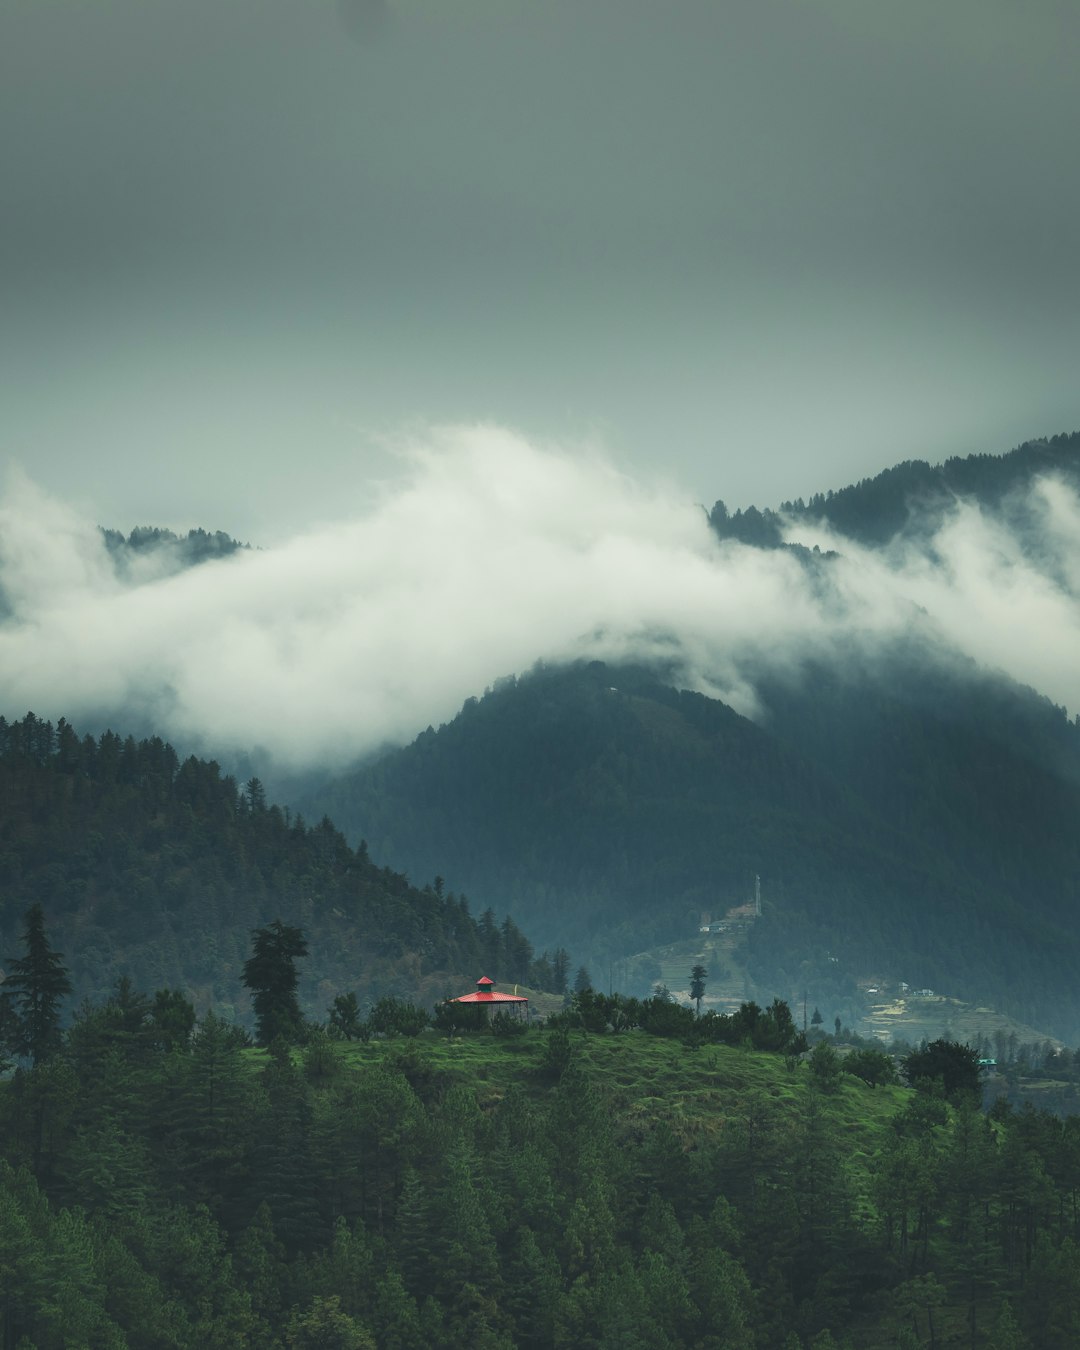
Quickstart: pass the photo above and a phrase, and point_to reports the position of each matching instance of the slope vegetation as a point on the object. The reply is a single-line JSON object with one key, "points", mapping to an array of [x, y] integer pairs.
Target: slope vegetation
{"points": [[159, 870], [897, 828]]}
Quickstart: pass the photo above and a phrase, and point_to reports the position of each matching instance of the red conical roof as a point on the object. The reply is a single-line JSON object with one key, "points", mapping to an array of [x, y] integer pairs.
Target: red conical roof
{"points": [[485, 993]]}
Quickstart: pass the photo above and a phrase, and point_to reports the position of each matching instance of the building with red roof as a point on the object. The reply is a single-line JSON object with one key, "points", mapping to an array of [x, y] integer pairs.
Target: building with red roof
{"points": [[488, 998]]}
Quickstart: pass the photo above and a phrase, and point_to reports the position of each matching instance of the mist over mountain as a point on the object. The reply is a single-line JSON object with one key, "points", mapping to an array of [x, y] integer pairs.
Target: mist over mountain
{"points": [[150, 552], [912, 501], [907, 803], [871, 716], [915, 822], [491, 554], [383, 385]]}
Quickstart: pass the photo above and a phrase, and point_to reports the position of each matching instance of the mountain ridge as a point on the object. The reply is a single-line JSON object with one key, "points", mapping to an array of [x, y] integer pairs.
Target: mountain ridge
{"points": [[567, 795]]}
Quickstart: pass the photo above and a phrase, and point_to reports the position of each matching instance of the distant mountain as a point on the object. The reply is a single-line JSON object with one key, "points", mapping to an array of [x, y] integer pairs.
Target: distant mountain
{"points": [[159, 870], [907, 812], [161, 552], [912, 498], [151, 552], [915, 818]]}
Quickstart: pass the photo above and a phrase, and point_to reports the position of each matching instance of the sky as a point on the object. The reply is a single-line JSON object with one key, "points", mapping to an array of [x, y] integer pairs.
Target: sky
{"points": [[747, 249]]}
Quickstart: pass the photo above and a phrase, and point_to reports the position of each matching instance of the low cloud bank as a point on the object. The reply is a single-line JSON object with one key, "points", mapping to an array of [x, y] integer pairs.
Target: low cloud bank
{"points": [[494, 553]]}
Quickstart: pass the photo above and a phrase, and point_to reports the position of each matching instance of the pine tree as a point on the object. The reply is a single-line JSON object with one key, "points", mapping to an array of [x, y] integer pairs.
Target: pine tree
{"points": [[697, 985], [270, 974], [284, 1172], [37, 983], [325, 1326]]}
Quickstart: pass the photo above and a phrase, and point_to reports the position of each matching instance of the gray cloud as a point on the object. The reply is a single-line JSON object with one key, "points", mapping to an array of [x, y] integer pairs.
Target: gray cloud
{"points": [[490, 553]]}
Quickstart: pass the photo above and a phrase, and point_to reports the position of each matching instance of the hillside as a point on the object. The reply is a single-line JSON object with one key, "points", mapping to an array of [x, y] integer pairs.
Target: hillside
{"points": [[907, 811], [926, 829], [622, 1191], [158, 870]]}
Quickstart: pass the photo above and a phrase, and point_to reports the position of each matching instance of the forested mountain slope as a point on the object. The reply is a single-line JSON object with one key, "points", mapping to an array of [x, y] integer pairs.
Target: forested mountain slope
{"points": [[912, 498], [159, 870], [920, 824]]}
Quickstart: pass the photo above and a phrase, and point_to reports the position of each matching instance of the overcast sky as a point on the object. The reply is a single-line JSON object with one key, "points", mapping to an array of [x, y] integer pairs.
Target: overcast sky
{"points": [[752, 248]]}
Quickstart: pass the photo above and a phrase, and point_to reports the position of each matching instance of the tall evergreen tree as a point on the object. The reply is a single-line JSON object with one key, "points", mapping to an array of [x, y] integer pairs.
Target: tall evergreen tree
{"points": [[37, 983], [270, 974], [697, 985]]}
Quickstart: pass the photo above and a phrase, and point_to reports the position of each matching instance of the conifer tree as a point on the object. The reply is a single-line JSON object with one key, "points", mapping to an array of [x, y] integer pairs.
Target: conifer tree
{"points": [[697, 985], [36, 985], [270, 974]]}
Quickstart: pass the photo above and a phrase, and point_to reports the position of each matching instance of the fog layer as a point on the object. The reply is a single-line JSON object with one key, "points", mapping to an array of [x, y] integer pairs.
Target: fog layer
{"points": [[491, 553]]}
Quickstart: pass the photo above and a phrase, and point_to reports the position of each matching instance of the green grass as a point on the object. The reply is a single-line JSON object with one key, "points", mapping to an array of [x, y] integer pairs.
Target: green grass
{"points": [[648, 1079]]}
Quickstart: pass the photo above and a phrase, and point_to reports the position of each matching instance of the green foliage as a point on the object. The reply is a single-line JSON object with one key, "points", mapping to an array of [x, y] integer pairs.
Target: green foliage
{"points": [[505, 1024], [397, 1017], [325, 1327], [452, 1017], [826, 1067], [951, 1068], [174, 1019], [321, 1060], [772, 1028], [1006, 1334], [270, 974], [35, 987], [873, 1067], [160, 869], [564, 1188], [698, 976], [345, 1021], [558, 1052]]}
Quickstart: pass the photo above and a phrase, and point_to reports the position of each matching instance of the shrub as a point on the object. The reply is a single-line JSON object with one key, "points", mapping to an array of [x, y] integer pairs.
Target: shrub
{"points": [[504, 1024], [826, 1067], [396, 1017], [872, 1066]]}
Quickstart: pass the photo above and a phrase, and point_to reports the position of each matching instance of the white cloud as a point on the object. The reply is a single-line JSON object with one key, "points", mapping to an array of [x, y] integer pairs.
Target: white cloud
{"points": [[493, 553]]}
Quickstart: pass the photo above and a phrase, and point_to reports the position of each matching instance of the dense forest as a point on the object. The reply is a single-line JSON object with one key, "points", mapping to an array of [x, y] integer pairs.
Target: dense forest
{"points": [[634, 1177], [158, 870], [910, 817]]}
